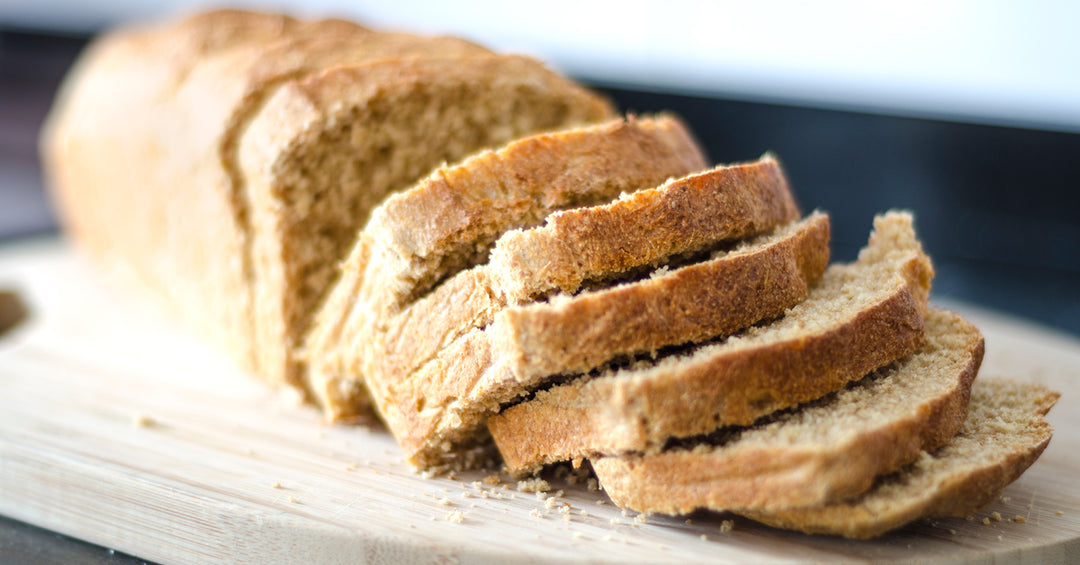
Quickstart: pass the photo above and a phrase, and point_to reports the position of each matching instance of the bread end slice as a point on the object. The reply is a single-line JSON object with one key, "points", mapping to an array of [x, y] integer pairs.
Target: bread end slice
{"points": [[826, 450], [1005, 433]]}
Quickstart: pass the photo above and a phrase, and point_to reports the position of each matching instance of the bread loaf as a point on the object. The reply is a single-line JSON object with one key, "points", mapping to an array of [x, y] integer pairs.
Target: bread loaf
{"points": [[229, 159]]}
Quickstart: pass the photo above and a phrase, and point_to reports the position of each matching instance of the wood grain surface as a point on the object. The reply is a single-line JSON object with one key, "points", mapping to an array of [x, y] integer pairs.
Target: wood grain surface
{"points": [[123, 429]]}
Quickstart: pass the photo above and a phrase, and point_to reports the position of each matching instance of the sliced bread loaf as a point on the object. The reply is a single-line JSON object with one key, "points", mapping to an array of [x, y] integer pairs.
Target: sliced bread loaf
{"points": [[229, 159], [1003, 435], [831, 449], [450, 219], [444, 403], [856, 318]]}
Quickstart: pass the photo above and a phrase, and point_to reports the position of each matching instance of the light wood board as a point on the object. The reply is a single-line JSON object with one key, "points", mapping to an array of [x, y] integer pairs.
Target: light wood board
{"points": [[121, 428]]}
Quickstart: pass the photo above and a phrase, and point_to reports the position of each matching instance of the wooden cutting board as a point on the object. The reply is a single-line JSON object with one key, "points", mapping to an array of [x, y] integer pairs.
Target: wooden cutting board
{"points": [[120, 428]]}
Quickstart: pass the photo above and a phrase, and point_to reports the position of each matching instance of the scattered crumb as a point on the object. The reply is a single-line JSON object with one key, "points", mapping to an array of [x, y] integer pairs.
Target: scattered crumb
{"points": [[1058, 513], [276, 485], [541, 495], [444, 501], [641, 518], [688, 522], [566, 518], [1005, 500], [583, 512], [142, 421], [953, 532], [457, 517], [577, 535], [986, 521], [550, 503], [472, 505], [600, 501], [534, 484], [491, 480], [565, 509], [594, 485], [614, 521], [726, 526], [1001, 538], [1020, 519], [535, 512], [466, 494], [970, 518], [607, 537], [350, 467], [996, 516], [426, 474], [293, 500]]}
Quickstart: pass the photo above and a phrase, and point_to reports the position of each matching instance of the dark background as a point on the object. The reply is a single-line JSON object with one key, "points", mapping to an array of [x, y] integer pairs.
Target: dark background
{"points": [[997, 208]]}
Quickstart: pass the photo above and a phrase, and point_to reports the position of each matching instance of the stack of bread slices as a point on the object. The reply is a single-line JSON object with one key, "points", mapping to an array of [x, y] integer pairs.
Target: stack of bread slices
{"points": [[586, 288], [686, 337]]}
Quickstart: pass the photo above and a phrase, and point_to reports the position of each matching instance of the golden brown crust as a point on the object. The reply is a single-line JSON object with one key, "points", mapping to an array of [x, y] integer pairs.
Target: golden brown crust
{"points": [[525, 346], [830, 450], [817, 348], [1003, 435]]}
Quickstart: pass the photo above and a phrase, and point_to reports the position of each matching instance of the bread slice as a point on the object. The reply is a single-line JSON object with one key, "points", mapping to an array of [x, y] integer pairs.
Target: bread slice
{"points": [[1003, 435], [856, 318], [443, 404], [450, 219], [828, 450], [229, 159]]}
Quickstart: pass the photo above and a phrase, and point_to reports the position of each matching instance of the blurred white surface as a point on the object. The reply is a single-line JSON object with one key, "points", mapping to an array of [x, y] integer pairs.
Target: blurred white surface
{"points": [[1015, 63]]}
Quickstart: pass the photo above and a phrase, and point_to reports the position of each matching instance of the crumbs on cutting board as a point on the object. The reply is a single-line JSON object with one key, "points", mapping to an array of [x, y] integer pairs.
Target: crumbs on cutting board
{"points": [[141, 420]]}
